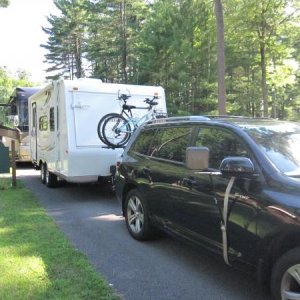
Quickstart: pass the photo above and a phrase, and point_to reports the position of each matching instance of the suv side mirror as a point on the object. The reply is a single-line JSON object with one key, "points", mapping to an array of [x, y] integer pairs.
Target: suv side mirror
{"points": [[196, 158], [236, 166]]}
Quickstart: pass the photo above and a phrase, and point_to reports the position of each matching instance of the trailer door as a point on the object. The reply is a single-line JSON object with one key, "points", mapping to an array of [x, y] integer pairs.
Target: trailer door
{"points": [[33, 133]]}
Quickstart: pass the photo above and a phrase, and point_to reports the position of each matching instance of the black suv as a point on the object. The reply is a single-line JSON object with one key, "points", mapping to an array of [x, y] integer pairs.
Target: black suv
{"points": [[229, 184]]}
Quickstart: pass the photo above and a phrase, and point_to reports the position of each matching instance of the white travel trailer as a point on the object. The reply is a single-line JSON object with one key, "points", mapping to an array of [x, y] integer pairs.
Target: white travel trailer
{"points": [[63, 120]]}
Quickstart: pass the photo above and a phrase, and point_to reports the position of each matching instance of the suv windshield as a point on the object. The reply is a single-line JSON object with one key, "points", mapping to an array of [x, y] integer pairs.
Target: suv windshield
{"points": [[280, 142]]}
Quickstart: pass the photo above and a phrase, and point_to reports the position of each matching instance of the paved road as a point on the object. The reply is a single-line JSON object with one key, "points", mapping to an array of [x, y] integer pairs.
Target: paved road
{"points": [[162, 269]]}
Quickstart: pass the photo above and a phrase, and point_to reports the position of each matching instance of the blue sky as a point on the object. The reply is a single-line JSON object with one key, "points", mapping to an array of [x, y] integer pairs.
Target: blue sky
{"points": [[21, 36]]}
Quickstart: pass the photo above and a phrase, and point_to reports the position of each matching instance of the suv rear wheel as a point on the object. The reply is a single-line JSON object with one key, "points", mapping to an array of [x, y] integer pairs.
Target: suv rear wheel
{"points": [[136, 216], [285, 281]]}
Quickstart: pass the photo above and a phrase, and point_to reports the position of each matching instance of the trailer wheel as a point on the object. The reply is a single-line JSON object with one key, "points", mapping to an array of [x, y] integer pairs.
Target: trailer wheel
{"points": [[51, 179], [43, 173]]}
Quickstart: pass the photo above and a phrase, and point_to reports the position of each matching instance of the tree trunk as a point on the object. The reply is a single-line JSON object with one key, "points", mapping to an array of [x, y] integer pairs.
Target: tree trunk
{"points": [[264, 79], [221, 58], [124, 40], [78, 59]]}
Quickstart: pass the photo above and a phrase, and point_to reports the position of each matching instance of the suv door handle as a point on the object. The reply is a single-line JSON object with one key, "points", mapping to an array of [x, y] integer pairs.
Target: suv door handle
{"points": [[190, 182], [146, 171]]}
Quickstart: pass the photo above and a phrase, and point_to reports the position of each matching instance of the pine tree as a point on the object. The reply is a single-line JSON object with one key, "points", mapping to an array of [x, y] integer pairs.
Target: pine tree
{"points": [[66, 38]]}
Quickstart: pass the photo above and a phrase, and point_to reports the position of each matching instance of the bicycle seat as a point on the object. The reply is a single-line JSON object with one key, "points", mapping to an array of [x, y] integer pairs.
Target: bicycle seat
{"points": [[128, 107], [153, 103]]}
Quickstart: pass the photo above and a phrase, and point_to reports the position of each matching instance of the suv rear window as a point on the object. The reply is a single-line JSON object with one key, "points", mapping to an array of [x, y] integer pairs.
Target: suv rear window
{"points": [[143, 142], [171, 143], [166, 143]]}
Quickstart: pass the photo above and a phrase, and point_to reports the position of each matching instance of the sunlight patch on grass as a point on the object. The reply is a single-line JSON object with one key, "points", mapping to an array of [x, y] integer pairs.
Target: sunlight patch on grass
{"points": [[36, 260], [22, 276]]}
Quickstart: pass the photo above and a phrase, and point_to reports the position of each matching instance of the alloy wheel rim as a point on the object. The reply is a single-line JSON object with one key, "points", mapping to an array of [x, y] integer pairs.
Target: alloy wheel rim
{"points": [[290, 284], [135, 214]]}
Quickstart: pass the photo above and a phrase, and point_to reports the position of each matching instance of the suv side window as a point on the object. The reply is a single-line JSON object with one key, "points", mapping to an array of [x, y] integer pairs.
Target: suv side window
{"points": [[221, 143], [170, 143], [143, 142]]}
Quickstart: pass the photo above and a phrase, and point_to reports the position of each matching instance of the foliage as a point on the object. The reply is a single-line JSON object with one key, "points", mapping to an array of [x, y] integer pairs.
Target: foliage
{"points": [[179, 54], [36, 260], [4, 3], [66, 39], [112, 38], [7, 84], [258, 46], [173, 43]]}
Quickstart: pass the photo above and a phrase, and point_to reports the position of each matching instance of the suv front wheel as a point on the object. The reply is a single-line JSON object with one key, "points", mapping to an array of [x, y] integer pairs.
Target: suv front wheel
{"points": [[285, 281], [136, 216]]}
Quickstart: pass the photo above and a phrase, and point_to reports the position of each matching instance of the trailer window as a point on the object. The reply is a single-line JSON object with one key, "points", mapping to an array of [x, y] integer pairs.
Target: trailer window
{"points": [[52, 121], [43, 123]]}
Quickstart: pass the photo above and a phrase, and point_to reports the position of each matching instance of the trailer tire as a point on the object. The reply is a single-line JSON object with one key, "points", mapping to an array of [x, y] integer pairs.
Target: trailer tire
{"points": [[43, 173], [51, 179]]}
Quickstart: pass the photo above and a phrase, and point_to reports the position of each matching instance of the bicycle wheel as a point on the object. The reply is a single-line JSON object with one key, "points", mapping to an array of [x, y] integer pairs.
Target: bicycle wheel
{"points": [[116, 131], [100, 126]]}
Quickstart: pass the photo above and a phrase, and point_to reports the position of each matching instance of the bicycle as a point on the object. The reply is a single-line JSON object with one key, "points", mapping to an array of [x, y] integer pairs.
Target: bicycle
{"points": [[115, 129]]}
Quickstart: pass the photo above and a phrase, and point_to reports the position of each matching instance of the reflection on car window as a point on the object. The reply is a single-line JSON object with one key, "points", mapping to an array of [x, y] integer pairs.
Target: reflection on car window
{"points": [[221, 144], [280, 144], [143, 143], [171, 143]]}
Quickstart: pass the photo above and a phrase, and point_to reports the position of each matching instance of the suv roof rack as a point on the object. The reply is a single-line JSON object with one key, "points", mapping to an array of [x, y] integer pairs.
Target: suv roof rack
{"points": [[178, 119], [236, 117], [203, 118], [225, 116]]}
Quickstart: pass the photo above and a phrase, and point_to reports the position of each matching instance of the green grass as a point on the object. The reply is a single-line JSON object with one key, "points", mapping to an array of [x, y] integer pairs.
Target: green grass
{"points": [[36, 260]]}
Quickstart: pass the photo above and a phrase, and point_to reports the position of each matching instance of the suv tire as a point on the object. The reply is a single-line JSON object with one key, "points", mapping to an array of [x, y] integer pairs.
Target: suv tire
{"points": [[136, 216], [285, 278]]}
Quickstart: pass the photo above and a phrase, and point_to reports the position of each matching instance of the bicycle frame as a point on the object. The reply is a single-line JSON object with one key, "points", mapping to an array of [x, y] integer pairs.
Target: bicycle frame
{"points": [[136, 122]]}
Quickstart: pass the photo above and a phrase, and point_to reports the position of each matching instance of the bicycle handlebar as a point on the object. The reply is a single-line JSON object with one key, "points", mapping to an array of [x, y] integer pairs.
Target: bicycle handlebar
{"points": [[125, 97], [151, 102]]}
